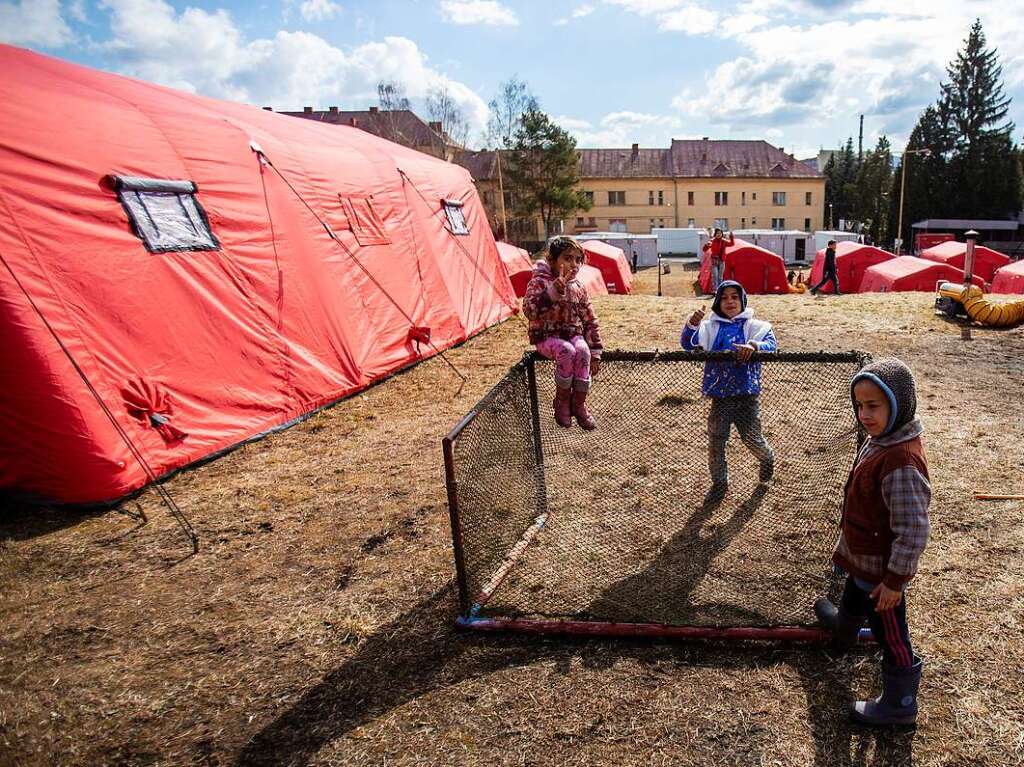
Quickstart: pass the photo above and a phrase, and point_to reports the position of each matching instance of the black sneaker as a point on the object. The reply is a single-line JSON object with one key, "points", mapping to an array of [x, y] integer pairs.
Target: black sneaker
{"points": [[716, 494]]}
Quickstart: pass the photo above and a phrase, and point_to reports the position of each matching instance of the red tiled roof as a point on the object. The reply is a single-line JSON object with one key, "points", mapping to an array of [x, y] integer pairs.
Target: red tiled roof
{"points": [[741, 159], [401, 125]]}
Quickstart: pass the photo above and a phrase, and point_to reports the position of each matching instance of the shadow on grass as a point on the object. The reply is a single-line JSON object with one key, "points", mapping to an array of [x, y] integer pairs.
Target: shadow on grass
{"points": [[420, 652]]}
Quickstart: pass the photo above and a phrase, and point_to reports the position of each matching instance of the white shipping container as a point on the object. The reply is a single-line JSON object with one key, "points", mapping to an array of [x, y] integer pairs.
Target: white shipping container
{"points": [[792, 245], [821, 238], [680, 242]]}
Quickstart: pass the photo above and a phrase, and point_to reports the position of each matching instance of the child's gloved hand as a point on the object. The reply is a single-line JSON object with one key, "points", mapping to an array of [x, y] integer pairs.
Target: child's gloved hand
{"points": [[745, 351], [595, 366], [696, 318]]}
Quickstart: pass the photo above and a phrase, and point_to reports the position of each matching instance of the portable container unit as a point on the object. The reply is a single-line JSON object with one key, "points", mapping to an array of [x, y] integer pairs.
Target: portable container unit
{"points": [[680, 242], [644, 247], [791, 245], [821, 238]]}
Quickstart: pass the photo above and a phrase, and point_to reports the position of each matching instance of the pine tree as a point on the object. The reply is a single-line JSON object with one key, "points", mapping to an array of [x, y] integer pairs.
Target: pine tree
{"points": [[543, 170], [841, 182], [926, 192], [874, 181], [983, 170]]}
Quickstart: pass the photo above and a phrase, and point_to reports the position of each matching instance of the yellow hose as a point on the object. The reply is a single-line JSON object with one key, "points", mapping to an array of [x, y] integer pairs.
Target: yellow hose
{"points": [[981, 309]]}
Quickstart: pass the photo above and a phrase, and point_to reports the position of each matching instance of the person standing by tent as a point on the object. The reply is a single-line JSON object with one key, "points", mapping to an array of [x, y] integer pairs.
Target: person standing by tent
{"points": [[564, 329], [715, 250], [829, 272]]}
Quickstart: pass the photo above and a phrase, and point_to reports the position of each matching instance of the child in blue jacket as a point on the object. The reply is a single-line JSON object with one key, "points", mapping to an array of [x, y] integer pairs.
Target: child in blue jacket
{"points": [[734, 387]]}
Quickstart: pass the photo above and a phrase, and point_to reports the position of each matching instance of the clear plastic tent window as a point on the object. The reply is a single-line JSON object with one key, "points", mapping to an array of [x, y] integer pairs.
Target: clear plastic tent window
{"points": [[165, 214], [456, 219]]}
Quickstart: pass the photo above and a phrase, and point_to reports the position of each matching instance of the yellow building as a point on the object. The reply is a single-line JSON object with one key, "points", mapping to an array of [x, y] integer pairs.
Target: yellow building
{"points": [[702, 183]]}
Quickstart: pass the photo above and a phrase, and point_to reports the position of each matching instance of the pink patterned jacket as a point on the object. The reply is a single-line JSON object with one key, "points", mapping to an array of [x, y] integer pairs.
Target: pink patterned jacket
{"points": [[564, 316]]}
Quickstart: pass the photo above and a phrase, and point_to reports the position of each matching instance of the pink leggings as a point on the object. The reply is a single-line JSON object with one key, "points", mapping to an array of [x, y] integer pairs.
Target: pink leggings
{"points": [[572, 361]]}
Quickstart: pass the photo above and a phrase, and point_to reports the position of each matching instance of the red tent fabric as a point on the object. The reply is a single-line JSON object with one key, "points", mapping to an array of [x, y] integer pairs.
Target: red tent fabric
{"points": [[905, 273], [518, 266], [1009, 279], [590, 276], [986, 260], [758, 270], [612, 263], [852, 260], [110, 339]]}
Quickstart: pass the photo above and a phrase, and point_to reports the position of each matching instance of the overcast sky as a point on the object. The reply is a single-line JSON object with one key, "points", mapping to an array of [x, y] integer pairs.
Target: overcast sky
{"points": [[795, 72]]}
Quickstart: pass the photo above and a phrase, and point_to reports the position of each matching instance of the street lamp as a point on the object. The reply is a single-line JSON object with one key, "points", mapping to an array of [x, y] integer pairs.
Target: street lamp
{"points": [[903, 180]]}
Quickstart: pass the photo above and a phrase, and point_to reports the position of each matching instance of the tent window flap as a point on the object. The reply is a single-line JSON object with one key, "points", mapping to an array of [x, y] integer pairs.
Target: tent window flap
{"points": [[363, 220], [165, 213], [456, 218]]}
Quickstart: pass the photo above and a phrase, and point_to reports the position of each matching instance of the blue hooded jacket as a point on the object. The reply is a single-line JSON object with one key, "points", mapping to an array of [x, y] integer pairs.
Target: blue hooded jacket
{"points": [[718, 333]]}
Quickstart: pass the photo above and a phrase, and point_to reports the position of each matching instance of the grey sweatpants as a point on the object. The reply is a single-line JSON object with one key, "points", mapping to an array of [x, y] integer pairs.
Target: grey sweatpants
{"points": [[745, 412]]}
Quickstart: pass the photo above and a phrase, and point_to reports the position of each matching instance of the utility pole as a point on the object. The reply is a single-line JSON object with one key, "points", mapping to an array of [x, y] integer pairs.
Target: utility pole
{"points": [[903, 183], [860, 142]]}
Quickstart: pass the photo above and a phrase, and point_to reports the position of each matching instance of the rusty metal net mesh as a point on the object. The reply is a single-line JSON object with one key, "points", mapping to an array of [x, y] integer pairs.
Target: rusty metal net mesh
{"points": [[624, 523]]}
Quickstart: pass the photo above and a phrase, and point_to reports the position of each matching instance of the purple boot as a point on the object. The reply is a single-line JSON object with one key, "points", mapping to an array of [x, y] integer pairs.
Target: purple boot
{"points": [[563, 406]]}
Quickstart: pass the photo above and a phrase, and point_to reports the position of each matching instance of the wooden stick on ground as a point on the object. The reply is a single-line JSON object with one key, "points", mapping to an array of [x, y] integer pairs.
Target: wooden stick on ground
{"points": [[990, 497]]}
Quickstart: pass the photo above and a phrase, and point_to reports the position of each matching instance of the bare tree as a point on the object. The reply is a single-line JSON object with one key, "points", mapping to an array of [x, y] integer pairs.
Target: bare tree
{"points": [[392, 99], [442, 108], [514, 99]]}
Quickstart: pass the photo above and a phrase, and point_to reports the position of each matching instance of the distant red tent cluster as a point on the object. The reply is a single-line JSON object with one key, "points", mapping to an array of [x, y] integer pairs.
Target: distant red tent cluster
{"points": [[906, 273], [758, 270], [520, 270], [612, 263], [853, 259], [181, 274], [986, 260], [1009, 279]]}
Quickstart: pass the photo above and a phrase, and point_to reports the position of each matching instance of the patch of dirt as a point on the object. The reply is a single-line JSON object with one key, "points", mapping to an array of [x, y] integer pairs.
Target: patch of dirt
{"points": [[290, 639]]}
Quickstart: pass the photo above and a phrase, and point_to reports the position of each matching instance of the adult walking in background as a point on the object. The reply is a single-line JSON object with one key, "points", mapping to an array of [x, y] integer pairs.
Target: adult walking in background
{"points": [[829, 272]]}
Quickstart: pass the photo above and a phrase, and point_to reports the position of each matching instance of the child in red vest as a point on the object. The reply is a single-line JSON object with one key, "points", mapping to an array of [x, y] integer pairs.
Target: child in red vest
{"points": [[564, 328], [884, 531]]}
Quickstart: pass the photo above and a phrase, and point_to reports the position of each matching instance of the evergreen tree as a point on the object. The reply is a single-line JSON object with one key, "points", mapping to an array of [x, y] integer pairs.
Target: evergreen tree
{"points": [[543, 169], [841, 183], [984, 169], [926, 192], [874, 182]]}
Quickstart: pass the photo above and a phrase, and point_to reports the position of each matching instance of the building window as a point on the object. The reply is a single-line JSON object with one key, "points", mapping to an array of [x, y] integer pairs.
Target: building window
{"points": [[743, 223], [778, 223], [456, 219], [689, 198], [721, 223], [661, 223], [617, 225], [164, 214], [743, 198], [807, 198], [753, 196], [691, 222], [616, 198], [661, 197], [807, 224], [508, 199], [650, 198], [753, 222], [721, 198], [592, 221], [778, 198], [579, 221], [652, 223], [589, 196]]}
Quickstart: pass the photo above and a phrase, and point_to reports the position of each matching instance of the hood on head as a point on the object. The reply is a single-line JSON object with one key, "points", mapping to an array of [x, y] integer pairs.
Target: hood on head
{"points": [[716, 307], [896, 381], [543, 267]]}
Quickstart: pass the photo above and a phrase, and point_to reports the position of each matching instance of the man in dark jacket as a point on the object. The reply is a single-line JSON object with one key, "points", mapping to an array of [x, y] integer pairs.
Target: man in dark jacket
{"points": [[829, 272]]}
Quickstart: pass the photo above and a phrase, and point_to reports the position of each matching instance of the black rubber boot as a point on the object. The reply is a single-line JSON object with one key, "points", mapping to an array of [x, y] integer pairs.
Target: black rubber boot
{"points": [[844, 627], [716, 494], [767, 470], [898, 702]]}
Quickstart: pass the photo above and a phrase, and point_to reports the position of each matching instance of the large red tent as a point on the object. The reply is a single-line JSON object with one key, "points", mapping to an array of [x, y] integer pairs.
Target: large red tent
{"points": [[986, 260], [905, 273], [852, 260], [757, 269], [180, 274], [612, 263], [518, 266], [1009, 279]]}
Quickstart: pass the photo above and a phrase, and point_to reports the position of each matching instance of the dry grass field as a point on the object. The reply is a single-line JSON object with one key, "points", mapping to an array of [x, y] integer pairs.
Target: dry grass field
{"points": [[315, 625]]}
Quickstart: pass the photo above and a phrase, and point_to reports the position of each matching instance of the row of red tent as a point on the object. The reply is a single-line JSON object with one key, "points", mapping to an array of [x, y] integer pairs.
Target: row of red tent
{"points": [[868, 269], [606, 269]]}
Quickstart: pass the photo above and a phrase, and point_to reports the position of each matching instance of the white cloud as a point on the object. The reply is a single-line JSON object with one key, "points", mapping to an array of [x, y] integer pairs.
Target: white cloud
{"points": [[691, 19], [318, 10], [582, 11], [34, 22], [486, 12], [76, 10], [286, 71], [621, 129], [742, 23]]}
